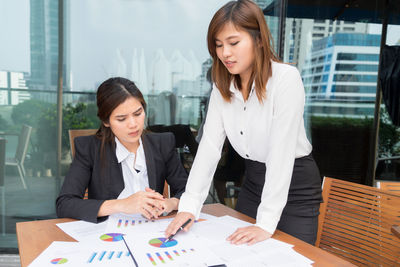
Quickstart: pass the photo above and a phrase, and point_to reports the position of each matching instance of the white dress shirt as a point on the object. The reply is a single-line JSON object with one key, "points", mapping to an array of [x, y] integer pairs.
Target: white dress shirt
{"points": [[271, 132], [133, 171]]}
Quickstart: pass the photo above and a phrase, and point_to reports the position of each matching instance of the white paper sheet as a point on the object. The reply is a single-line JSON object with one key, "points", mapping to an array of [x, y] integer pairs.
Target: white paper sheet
{"points": [[77, 254], [81, 230], [270, 252], [205, 244], [150, 249]]}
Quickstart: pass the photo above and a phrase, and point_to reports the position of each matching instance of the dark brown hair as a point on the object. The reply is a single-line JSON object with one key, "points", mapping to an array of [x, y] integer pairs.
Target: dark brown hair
{"points": [[110, 94], [247, 16]]}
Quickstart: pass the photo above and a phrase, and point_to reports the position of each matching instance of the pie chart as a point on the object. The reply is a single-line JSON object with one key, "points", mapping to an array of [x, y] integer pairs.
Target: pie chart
{"points": [[160, 242], [59, 261], [111, 237]]}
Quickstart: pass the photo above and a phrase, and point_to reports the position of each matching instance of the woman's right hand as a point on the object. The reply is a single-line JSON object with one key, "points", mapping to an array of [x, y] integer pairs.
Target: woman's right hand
{"points": [[178, 221], [146, 203]]}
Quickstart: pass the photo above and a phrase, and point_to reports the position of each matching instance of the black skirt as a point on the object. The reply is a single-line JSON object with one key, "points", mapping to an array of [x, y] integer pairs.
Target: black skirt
{"points": [[300, 215]]}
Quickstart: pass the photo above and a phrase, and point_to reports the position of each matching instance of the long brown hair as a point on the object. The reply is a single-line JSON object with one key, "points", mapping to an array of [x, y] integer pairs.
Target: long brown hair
{"points": [[247, 16], [110, 94]]}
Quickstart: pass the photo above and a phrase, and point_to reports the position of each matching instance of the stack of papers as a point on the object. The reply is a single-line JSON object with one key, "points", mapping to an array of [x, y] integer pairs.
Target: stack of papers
{"points": [[131, 240]]}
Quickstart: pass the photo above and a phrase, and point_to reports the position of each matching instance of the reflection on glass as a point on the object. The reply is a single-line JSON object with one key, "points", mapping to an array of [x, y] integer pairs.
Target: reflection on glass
{"points": [[338, 61]]}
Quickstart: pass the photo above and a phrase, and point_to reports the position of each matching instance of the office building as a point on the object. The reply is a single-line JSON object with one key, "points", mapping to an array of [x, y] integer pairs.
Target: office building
{"points": [[340, 76], [44, 47], [13, 89]]}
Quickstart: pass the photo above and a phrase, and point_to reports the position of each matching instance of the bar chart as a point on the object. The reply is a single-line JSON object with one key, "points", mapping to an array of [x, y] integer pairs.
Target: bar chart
{"points": [[101, 256], [163, 257]]}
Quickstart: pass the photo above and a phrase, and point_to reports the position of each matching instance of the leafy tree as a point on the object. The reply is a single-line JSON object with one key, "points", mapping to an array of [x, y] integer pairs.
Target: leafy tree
{"points": [[3, 124], [74, 117], [389, 136], [28, 112]]}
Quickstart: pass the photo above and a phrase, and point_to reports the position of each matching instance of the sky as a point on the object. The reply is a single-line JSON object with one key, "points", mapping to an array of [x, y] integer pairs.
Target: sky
{"points": [[98, 28]]}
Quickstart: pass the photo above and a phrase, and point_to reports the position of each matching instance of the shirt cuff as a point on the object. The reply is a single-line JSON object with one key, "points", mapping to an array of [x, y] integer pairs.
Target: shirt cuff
{"points": [[269, 226], [190, 204]]}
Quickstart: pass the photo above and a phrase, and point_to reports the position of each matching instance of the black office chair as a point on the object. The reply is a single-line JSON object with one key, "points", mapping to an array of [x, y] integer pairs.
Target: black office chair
{"points": [[185, 141]]}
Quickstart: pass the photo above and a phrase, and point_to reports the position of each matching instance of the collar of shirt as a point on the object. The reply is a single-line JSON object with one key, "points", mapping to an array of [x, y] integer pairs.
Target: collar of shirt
{"points": [[238, 94], [122, 153]]}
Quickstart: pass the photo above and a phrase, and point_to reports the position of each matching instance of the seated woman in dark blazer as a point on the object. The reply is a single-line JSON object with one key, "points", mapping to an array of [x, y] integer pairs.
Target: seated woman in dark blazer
{"points": [[123, 167]]}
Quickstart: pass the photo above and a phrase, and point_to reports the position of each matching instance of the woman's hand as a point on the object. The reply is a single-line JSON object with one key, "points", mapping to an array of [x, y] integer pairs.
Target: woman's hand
{"points": [[168, 205], [178, 221], [147, 203], [250, 235]]}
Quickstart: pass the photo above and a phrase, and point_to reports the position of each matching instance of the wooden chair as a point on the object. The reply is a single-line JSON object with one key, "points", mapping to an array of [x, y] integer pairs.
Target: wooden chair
{"points": [[395, 188], [85, 132], [355, 223], [389, 186], [75, 133], [78, 132]]}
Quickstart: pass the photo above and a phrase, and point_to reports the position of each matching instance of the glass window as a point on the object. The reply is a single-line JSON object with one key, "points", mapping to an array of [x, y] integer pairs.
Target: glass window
{"points": [[134, 39], [332, 105], [354, 78], [358, 57], [356, 67]]}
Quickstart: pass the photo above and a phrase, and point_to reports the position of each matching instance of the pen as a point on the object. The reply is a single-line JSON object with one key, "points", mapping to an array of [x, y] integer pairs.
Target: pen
{"points": [[179, 229]]}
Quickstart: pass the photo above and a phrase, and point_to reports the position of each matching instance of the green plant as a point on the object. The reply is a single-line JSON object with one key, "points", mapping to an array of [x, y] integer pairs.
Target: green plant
{"points": [[28, 112], [3, 124], [341, 146], [74, 117], [339, 122], [389, 136]]}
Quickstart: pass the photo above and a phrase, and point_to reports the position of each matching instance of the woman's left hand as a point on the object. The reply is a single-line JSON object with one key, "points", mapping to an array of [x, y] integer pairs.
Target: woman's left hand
{"points": [[250, 235]]}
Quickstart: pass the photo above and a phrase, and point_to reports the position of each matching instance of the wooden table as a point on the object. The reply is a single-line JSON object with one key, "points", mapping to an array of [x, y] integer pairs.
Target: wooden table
{"points": [[36, 236]]}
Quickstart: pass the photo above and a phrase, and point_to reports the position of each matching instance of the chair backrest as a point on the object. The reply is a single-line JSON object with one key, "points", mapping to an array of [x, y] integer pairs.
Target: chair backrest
{"points": [[355, 223], [23, 142], [75, 133], [389, 186], [78, 132]]}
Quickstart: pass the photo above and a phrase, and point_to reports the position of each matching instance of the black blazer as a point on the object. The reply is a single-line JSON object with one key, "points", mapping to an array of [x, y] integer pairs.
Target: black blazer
{"points": [[104, 180]]}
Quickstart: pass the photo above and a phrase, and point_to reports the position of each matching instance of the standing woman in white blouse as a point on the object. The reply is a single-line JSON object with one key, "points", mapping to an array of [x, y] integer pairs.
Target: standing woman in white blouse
{"points": [[258, 103]]}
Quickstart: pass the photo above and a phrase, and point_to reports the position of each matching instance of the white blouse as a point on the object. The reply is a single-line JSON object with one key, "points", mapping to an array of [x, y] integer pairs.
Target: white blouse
{"points": [[271, 132], [134, 172]]}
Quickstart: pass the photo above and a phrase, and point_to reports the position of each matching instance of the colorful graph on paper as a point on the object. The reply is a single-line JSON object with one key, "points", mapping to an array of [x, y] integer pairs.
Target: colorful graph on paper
{"points": [[59, 261], [101, 256], [131, 222], [165, 256], [111, 237], [160, 242]]}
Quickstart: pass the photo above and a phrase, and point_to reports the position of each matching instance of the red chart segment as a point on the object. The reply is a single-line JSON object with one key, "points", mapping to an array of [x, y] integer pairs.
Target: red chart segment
{"points": [[59, 261]]}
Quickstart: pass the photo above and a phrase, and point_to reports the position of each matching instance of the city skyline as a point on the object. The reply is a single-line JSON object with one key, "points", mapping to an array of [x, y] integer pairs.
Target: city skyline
{"points": [[92, 35]]}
